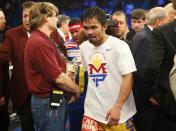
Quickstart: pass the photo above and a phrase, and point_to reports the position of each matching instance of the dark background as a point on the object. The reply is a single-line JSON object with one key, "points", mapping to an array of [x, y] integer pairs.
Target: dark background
{"points": [[74, 8]]}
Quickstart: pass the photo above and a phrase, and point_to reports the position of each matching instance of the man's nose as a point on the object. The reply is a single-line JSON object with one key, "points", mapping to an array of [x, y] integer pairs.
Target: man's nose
{"points": [[89, 31], [136, 24], [118, 24], [74, 34]]}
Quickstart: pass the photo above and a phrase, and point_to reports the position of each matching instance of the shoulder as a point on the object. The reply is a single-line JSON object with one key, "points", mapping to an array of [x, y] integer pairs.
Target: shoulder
{"points": [[144, 33], [16, 33], [166, 28], [36, 38], [85, 44], [38, 44], [117, 43], [142, 36], [15, 30]]}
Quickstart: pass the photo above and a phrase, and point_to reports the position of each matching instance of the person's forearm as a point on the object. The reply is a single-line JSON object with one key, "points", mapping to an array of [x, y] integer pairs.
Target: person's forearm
{"points": [[125, 90], [67, 84]]}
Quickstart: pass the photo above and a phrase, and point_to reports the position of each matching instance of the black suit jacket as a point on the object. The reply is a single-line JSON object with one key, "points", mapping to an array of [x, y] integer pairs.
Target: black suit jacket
{"points": [[159, 65], [59, 40], [140, 46]]}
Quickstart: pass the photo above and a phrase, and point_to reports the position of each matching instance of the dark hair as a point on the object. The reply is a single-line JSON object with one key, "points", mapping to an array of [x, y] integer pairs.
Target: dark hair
{"points": [[75, 21], [95, 12], [28, 4], [174, 4], [138, 14]]}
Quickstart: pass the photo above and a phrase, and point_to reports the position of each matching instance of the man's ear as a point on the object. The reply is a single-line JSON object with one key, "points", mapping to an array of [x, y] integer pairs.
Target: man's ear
{"points": [[105, 26], [45, 19]]}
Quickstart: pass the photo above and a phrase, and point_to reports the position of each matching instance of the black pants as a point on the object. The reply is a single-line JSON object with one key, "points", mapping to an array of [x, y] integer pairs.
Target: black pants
{"points": [[146, 120], [25, 115], [166, 121], [4, 120]]}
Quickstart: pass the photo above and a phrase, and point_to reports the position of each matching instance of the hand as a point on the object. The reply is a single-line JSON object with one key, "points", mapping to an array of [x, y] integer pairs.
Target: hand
{"points": [[72, 99], [154, 101], [78, 92], [113, 116], [71, 75], [74, 96], [2, 101]]}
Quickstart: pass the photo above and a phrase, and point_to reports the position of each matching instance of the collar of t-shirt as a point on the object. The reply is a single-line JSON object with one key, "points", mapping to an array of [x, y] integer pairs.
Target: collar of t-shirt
{"points": [[61, 34], [104, 44]]}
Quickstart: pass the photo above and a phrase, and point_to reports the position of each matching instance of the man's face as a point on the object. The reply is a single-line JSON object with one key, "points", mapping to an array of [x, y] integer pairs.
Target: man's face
{"points": [[25, 18], [95, 32], [161, 21], [170, 16], [65, 27], [137, 24], [2, 21], [78, 35], [52, 21], [121, 25]]}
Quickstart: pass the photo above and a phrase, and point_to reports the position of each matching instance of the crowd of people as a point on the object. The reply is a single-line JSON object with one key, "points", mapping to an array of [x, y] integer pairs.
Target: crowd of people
{"points": [[92, 73]]}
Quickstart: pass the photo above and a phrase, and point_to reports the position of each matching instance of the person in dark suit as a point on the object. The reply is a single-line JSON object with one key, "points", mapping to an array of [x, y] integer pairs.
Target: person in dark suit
{"points": [[4, 81], [59, 40], [159, 65], [137, 23], [145, 117], [13, 50], [59, 34]]}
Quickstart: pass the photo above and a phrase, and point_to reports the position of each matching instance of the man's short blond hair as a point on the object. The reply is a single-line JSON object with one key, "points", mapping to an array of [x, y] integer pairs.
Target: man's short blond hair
{"points": [[38, 12]]}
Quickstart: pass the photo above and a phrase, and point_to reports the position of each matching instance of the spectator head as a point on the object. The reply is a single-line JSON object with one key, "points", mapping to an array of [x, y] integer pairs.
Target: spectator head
{"points": [[138, 19], [170, 12], [156, 17], [42, 13], [25, 15], [174, 4], [2, 20], [95, 25], [121, 28], [63, 21], [76, 30]]}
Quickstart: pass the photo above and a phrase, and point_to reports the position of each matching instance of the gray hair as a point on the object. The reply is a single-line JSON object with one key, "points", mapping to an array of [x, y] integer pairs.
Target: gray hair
{"points": [[154, 14], [62, 19], [170, 12], [169, 8]]}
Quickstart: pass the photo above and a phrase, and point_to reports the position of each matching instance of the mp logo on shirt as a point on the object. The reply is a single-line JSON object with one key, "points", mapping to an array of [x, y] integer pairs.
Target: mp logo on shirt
{"points": [[97, 68]]}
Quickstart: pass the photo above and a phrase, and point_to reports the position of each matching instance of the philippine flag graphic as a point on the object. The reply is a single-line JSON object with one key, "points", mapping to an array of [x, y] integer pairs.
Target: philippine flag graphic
{"points": [[97, 68]]}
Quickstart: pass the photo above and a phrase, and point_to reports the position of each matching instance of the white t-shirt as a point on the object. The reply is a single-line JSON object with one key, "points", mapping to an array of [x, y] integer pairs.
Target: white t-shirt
{"points": [[105, 65]]}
